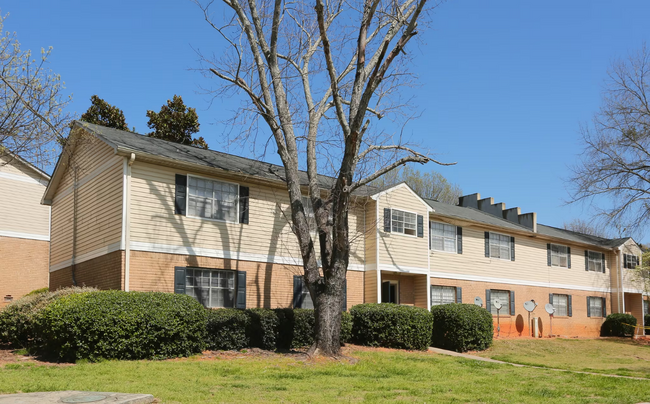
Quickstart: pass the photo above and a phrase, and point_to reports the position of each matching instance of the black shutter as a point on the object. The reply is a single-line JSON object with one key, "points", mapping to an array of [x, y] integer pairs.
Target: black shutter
{"points": [[548, 254], [241, 290], [512, 248], [603, 259], [420, 226], [345, 295], [459, 240], [387, 220], [179, 280], [429, 234], [487, 244], [459, 294], [297, 291], [512, 302], [570, 304], [488, 304], [181, 195], [586, 260], [550, 298], [604, 307], [588, 306], [244, 192], [624, 260], [568, 256]]}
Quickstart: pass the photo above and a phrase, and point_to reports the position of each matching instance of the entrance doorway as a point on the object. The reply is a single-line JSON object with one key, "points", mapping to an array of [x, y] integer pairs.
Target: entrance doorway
{"points": [[390, 292]]}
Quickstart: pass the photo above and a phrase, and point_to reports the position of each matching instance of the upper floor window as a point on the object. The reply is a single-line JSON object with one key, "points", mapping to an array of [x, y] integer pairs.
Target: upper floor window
{"points": [[559, 256], [443, 237], [442, 295], [630, 261], [404, 222], [211, 199], [212, 288], [500, 246], [595, 261]]}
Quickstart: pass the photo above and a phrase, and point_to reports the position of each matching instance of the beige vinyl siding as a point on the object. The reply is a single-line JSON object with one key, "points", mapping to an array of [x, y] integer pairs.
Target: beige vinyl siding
{"points": [[371, 232], [99, 204], [268, 232], [399, 250], [370, 287], [530, 263], [631, 279], [20, 201]]}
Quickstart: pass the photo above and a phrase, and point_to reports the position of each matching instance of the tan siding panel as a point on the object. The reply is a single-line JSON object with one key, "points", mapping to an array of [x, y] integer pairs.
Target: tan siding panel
{"points": [[20, 208]]}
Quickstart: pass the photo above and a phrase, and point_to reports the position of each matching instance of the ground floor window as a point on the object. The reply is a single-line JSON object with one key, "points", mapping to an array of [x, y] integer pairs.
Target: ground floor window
{"points": [[442, 295], [561, 305], [211, 287], [596, 307], [302, 299], [390, 292], [503, 296]]}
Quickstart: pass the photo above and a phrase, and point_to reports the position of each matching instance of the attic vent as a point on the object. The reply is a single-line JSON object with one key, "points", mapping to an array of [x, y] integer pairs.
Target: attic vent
{"points": [[487, 205]]}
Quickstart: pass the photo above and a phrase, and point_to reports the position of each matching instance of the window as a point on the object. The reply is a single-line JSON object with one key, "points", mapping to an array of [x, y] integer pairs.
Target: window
{"points": [[630, 261], [442, 295], [595, 262], [309, 212], [499, 246], [596, 307], [504, 298], [304, 300], [559, 256], [443, 237], [404, 222], [561, 305], [212, 199], [212, 288]]}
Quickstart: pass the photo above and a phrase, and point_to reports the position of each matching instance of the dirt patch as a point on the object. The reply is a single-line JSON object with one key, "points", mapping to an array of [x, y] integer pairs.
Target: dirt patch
{"points": [[9, 356]]}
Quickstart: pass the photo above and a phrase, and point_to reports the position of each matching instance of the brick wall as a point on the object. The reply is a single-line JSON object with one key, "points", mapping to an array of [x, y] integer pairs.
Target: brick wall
{"points": [[23, 266], [103, 272], [579, 325], [267, 285]]}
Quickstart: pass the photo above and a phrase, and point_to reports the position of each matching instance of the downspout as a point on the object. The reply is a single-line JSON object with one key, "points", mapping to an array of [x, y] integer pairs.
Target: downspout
{"points": [[377, 250], [127, 222]]}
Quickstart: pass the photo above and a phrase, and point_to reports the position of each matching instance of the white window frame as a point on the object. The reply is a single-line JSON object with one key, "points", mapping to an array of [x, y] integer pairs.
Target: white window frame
{"points": [[187, 200], [591, 310], [442, 289], [210, 287], [560, 255], [509, 246], [566, 307], [599, 260], [431, 235], [505, 304], [402, 232]]}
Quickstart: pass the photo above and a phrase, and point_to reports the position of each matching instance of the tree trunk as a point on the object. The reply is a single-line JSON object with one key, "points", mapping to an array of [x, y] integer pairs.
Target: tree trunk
{"points": [[327, 313]]}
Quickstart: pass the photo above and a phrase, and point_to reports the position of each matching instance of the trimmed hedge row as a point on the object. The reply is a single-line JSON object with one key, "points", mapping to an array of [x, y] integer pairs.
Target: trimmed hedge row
{"points": [[618, 325], [461, 327], [392, 326], [646, 323]]}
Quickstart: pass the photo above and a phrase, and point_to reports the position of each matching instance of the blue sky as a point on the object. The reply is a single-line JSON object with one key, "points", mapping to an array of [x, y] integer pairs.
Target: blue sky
{"points": [[503, 85]]}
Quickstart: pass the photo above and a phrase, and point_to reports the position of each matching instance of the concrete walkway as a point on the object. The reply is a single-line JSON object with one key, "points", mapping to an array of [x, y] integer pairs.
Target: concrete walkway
{"points": [[76, 397], [480, 358]]}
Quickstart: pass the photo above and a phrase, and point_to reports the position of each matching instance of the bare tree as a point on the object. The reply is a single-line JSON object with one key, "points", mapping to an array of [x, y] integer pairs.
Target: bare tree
{"points": [[320, 76], [584, 227], [32, 103], [431, 185], [614, 171]]}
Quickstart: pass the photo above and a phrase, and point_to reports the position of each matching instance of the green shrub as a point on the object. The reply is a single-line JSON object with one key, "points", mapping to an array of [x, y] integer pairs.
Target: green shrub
{"points": [[346, 327], [121, 325], [226, 329], [618, 325], [646, 323], [262, 329], [38, 291], [17, 318], [391, 326], [461, 327]]}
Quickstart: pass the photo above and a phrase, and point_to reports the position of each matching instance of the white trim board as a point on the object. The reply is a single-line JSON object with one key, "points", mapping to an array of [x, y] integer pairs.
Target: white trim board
{"points": [[488, 279], [87, 256], [22, 178], [29, 236], [404, 269], [403, 185]]}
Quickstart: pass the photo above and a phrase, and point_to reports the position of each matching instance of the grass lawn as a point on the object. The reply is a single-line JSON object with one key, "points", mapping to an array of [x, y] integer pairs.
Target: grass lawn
{"points": [[379, 376], [614, 356]]}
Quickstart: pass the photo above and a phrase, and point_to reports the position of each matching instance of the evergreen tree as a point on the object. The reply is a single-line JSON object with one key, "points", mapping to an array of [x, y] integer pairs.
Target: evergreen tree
{"points": [[103, 113], [176, 123]]}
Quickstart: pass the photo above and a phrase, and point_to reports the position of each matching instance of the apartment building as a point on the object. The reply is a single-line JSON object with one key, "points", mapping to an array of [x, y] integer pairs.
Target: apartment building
{"points": [[24, 228], [153, 215]]}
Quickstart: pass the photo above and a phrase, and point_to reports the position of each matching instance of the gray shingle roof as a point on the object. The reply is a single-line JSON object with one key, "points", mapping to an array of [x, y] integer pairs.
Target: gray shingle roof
{"points": [[141, 144]]}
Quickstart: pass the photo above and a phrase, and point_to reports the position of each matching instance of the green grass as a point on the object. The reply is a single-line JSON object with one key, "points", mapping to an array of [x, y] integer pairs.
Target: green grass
{"points": [[614, 356], [377, 377]]}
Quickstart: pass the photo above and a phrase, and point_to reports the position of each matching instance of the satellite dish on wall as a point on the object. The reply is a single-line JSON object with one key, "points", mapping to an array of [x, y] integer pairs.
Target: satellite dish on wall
{"points": [[530, 305], [478, 301], [497, 304], [549, 308]]}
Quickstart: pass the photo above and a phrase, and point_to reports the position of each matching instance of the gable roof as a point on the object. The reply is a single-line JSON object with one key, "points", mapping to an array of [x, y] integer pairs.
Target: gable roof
{"points": [[29, 165], [403, 184]]}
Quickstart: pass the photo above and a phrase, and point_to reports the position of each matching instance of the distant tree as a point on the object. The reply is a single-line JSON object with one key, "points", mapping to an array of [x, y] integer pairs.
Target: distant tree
{"points": [[584, 227], [32, 104], [176, 122], [431, 185], [614, 171], [104, 114], [641, 274]]}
